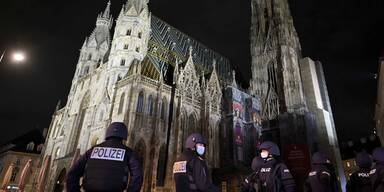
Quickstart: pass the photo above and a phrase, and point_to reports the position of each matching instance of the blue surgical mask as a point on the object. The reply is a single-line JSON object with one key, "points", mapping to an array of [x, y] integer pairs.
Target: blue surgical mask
{"points": [[200, 150]]}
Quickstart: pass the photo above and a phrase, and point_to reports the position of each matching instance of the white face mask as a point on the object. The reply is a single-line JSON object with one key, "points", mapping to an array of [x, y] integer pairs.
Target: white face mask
{"points": [[264, 154], [200, 150]]}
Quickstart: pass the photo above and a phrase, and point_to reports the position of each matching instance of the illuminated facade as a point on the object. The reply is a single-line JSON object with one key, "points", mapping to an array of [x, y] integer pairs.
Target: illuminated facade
{"points": [[129, 78], [379, 113]]}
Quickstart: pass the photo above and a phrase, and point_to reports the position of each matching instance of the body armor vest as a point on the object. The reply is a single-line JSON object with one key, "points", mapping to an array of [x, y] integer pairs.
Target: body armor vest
{"points": [[107, 167]]}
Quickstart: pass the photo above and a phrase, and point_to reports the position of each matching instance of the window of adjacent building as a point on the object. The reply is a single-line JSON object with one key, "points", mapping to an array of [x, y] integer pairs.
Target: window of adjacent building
{"points": [[121, 105], [40, 147], [140, 34], [137, 49], [15, 171], [140, 102], [30, 146], [122, 62], [129, 32], [126, 46]]}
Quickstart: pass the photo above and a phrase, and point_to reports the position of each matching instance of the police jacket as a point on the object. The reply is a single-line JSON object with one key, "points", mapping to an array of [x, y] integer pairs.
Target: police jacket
{"points": [[319, 179], [276, 177], [106, 167], [360, 181], [191, 174], [377, 177]]}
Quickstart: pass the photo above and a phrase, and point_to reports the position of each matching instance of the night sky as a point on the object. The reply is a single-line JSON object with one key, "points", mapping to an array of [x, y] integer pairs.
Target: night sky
{"points": [[346, 36]]}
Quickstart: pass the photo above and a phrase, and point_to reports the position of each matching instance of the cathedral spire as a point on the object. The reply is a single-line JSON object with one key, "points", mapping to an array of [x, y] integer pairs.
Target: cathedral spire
{"points": [[107, 11], [138, 5]]}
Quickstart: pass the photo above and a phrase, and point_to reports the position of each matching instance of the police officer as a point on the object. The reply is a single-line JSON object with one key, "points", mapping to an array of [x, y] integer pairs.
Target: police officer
{"points": [[360, 180], [191, 171], [106, 167], [377, 173], [320, 177], [251, 182], [274, 174]]}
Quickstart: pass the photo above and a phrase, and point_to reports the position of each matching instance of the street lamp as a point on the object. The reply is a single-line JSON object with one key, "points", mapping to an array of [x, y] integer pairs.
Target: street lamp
{"points": [[17, 56]]}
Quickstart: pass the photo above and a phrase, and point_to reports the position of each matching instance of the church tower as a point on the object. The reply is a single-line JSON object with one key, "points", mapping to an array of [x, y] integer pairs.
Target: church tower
{"points": [[130, 40], [275, 51], [95, 47]]}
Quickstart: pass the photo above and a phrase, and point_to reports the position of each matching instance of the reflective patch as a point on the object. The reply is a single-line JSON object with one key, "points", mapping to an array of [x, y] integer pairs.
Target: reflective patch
{"points": [[324, 172], [373, 171], [286, 171], [180, 167], [108, 153], [266, 170], [363, 175], [313, 173]]}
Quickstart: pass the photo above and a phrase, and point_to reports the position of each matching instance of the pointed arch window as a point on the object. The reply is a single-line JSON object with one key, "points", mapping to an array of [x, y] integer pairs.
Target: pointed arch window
{"points": [[140, 102], [121, 105], [150, 105], [90, 56], [140, 35], [163, 108], [129, 31], [138, 49]]}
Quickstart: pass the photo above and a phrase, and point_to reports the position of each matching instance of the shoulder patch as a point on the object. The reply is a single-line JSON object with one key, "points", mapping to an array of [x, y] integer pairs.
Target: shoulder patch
{"points": [[180, 167], [108, 153]]}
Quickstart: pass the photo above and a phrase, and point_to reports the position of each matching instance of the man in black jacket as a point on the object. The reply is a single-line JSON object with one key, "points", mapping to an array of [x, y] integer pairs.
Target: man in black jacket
{"points": [[360, 180], [107, 166], [320, 178], [274, 175], [190, 171], [377, 173]]}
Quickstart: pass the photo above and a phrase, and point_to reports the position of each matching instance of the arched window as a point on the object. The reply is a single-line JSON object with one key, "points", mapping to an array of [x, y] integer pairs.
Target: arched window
{"points": [[90, 56], [129, 31], [163, 108], [150, 105], [160, 176], [122, 62], [57, 153], [121, 105], [15, 171], [86, 70], [140, 102], [30, 146]]}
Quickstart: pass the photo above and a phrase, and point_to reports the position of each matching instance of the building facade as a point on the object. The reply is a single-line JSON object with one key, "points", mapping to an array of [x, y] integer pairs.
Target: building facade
{"points": [[295, 103], [148, 75], [19, 162], [379, 109]]}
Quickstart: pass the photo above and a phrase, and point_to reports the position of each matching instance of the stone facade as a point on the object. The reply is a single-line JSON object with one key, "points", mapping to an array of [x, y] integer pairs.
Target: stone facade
{"points": [[146, 72], [275, 52], [379, 113]]}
